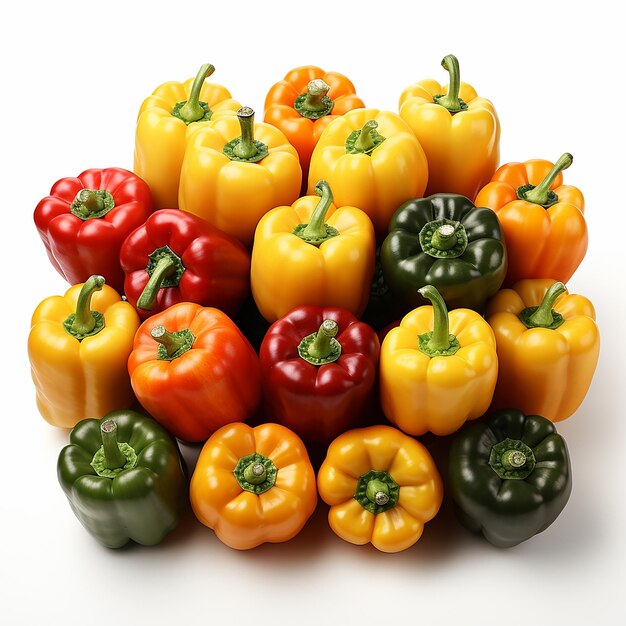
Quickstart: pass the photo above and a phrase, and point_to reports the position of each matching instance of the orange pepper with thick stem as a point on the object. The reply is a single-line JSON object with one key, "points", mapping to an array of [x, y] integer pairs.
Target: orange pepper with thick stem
{"points": [[382, 487], [304, 103], [543, 219], [253, 485]]}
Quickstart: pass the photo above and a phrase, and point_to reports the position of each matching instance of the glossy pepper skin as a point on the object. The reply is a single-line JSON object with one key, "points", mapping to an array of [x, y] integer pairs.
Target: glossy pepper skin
{"points": [[372, 161], [78, 347], [193, 371], [235, 171], [548, 346], [324, 256], [437, 370], [458, 130], [178, 257], [319, 368], [253, 485], [445, 241], [123, 478], [509, 476], [84, 221], [543, 219], [305, 102], [165, 123], [382, 487]]}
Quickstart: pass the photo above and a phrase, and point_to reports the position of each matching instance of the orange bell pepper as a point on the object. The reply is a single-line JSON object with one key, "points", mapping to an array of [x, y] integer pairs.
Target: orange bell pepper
{"points": [[193, 371], [548, 346], [253, 485], [382, 487], [543, 222], [305, 102]]}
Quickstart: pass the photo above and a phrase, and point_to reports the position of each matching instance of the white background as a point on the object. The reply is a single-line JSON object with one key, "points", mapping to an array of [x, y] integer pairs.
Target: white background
{"points": [[74, 76]]}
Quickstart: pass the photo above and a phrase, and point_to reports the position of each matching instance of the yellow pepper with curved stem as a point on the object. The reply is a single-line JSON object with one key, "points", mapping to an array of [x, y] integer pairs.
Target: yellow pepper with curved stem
{"points": [[372, 161], [437, 370], [312, 253], [459, 131], [548, 346], [165, 122], [235, 171], [78, 354], [382, 487]]}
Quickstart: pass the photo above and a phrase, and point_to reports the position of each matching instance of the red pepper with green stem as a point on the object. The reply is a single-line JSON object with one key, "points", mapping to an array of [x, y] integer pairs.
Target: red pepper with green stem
{"points": [[179, 257], [84, 221], [318, 369]]}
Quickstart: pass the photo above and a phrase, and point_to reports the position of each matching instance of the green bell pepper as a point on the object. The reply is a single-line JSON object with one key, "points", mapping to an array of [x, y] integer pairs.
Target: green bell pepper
{"points": [[124, 478], [447, 242], [509, 476]]}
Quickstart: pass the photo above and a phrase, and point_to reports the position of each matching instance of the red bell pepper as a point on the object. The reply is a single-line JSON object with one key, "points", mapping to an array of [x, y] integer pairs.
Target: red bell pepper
{"points": [[318, 369], [84, 221], [179, 257]]}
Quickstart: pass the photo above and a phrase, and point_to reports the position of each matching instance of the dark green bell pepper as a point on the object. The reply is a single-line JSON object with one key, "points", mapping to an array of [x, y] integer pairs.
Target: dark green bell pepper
{"points": [[124, 478], [447, 242], [510, 476]]}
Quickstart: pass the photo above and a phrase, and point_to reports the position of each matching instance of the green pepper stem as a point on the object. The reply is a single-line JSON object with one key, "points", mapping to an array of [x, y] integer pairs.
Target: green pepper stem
{"points": [[245, 148], [92, 201], [543, 316], [84, 320], [451, 100], [320, 347], [171, 342], [444, 237], [539, 194], [192, 110], [255, 473], [316, 228], [377, 492], [440, 339], [513, 459], [113, 456], [165, 267], [365, 141], [316, 90]]}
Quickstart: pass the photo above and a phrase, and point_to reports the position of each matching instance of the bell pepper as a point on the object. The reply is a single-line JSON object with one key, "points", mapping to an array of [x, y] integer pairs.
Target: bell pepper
{"points": [[78, 353], [165, 123], [372, 161], [178, 257], [318, 367], [253, 485], [543, 220], [509, 476], [235, 171], [548, 346], [123, 478], [193, 371], [305, 102], [84, 221], [437, 369], [324, 256], [445, 241], [458, 130], [382, 487]]}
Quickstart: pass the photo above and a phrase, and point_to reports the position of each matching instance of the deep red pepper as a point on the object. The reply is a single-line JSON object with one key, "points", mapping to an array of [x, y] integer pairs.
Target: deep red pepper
{"points": [[84, 221], [318, 401], [179, 257]]}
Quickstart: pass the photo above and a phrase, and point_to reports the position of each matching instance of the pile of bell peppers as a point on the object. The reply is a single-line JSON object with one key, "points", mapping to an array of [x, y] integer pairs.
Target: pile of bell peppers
{"points": [[305, 297]]}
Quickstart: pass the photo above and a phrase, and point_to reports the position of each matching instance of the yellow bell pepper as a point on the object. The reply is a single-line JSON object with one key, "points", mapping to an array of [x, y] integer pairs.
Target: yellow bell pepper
{"points": [[78, 355], [371, 160], [548, 346], [324, 256], [235, 171], [437, 370], [459, 131], [382, 487], [165, 122]]}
